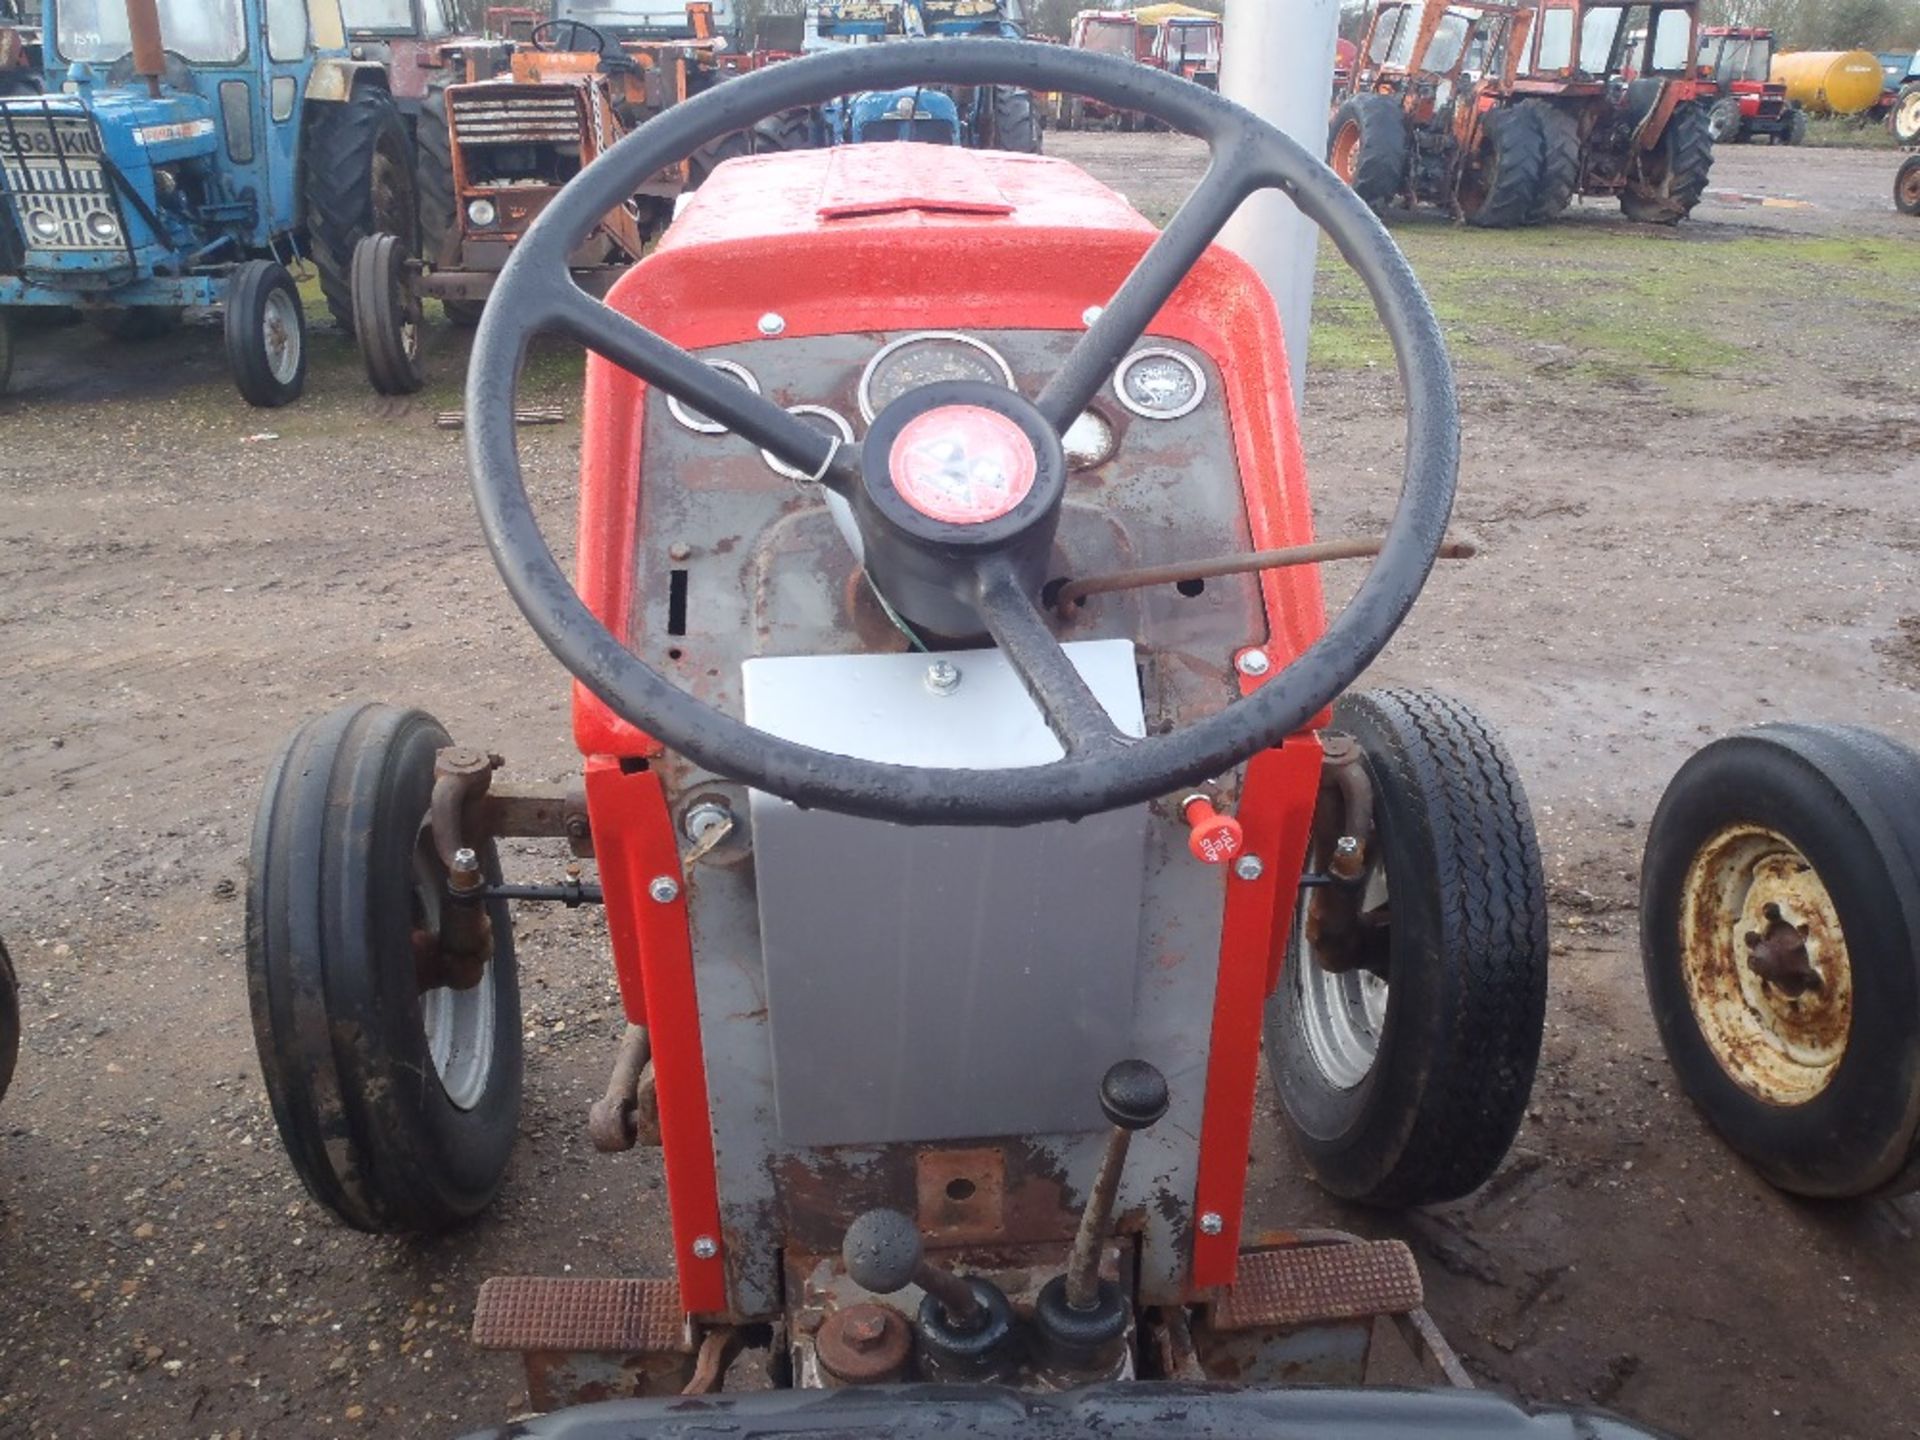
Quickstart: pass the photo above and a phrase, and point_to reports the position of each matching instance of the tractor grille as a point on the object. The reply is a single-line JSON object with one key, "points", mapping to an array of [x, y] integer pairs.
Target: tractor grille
{"points": [[933, 132], [51, 173], [498, 115]]}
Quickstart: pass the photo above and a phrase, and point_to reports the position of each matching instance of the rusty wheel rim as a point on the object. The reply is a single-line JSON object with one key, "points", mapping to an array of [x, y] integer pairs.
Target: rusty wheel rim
{"points": [[458, 1024], [1346, 145], [1910, 177], [1765, 964]]}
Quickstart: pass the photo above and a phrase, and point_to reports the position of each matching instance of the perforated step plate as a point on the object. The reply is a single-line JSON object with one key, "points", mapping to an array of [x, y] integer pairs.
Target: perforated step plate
{"points": [[608, 1317], [1319, 1284]]}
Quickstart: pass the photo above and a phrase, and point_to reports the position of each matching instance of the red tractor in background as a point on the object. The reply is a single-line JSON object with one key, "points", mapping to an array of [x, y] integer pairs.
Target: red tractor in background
{"points": [[1735, 84], [1188, 46]]}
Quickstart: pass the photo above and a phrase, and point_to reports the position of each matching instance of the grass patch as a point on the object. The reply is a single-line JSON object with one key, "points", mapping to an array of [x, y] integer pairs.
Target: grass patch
{"points": [[1848, 133], [1676, 310]]}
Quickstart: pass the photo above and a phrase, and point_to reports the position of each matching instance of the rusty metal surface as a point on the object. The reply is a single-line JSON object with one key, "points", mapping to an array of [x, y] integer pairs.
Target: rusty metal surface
{"points": [[962, 1193], [865, 1345], [1437, 1357], [604, 1316], [1313, 1284], [559, 1379], [1332, 1354], [613, 1123]]}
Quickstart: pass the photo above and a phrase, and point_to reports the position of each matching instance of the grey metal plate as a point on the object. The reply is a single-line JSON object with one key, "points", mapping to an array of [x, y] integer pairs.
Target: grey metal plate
{"points": [[920, 984]]}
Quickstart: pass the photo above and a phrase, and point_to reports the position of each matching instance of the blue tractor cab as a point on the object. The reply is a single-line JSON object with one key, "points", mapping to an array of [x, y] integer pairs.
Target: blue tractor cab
{"points": [[186, 154]]}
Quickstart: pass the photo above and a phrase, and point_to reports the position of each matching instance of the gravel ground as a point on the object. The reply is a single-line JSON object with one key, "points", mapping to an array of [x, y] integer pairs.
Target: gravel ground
{"points": [[183, 581]]}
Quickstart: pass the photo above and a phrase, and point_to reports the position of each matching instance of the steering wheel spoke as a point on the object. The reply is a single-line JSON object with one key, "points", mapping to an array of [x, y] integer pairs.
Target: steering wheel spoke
{"points": [[661, 363], [1072, 711], [1127, 317]]}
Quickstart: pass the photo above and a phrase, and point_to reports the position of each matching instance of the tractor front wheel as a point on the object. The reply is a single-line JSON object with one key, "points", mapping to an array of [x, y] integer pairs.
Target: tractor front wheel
{"points": [[1723, 120], [1906, 186], [1780, 935], [1796, 131], [1504, 182], [1906, 115], [1405, 1030], [396, 1093], [358, 164], [387, 317], [9, 1019], [266, 334], [1367, 147]]}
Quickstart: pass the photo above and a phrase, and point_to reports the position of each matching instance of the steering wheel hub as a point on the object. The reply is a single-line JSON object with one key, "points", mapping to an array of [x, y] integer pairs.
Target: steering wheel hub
{"points": [[962, 464]]}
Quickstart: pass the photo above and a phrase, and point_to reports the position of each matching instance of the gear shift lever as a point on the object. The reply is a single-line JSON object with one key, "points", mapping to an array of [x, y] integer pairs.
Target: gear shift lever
{"points": [[966, 1325]]}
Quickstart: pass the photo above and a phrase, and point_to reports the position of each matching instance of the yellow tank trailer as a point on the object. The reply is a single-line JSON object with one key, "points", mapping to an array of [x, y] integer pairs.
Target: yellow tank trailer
{"points": [[1829, 82]]}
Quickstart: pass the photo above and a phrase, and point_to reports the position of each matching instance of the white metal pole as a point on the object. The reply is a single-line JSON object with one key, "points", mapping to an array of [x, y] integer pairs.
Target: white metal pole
{"points": [[1279, 64]]}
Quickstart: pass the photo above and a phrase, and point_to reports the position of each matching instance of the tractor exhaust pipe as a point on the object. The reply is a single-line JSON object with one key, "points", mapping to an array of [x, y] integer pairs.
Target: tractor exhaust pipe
{"points": [[149, 54]]}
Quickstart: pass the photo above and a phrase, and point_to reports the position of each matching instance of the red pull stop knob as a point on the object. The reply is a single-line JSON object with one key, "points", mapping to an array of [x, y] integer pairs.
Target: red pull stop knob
{"points": [[1215, 838]]}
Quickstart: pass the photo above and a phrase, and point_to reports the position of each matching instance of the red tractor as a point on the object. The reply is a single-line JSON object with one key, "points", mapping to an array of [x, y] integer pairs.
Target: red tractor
{"points": [[975, 789], [1189, 46], [1735, 70], [1101, 32]]}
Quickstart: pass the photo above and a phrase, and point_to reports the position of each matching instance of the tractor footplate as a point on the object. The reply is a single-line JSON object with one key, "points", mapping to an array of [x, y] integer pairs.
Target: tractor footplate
{"points": [[1319, 1284], [589, 1339]]}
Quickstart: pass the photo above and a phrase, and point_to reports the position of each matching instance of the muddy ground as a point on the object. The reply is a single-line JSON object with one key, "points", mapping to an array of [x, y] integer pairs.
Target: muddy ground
{"points": [[1691, 464]]}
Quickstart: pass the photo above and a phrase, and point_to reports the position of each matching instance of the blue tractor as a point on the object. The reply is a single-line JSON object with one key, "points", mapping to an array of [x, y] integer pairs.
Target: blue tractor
{"points": [[987, 117], [186, 153]]}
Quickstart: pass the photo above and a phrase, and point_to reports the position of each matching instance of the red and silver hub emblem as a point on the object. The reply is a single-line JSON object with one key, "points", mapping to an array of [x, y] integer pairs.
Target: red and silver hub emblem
{"points": [[963, 464]]}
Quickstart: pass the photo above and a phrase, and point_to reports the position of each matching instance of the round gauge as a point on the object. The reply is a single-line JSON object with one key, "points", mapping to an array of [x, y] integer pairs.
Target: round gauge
{"points": [[1089, 441], [827, 422], [1160, 384], [927, 359], [692, 418]]}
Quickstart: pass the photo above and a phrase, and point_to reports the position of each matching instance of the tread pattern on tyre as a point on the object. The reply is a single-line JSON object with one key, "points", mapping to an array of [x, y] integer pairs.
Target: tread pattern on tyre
{"points": [[339, 148], [376, 322], [1380, 162], [1687, 158], [433, 176], [1016, 123], [1559, 161], [1493, 900], [1518, 162]]}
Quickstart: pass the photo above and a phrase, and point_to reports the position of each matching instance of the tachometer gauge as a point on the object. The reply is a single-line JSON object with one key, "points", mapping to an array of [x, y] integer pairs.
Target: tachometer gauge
{"points": [[827, 422], [692, 418], [1160, 384], [1089, 441], [927, 359]]}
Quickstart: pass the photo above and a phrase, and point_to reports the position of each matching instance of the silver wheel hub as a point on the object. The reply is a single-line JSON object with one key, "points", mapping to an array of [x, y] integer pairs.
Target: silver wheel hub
{"points": [[280, 336], [458, 1024], [1343, 1016]]}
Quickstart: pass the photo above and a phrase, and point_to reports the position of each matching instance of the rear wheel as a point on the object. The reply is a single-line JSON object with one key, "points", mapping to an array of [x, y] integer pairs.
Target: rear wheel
{"points": [[789, 130], [9, 1019], [397, 1098], [1504, 183], [710, 157], [1403, 1057], [1367, 147], [387, 318], [1016, 124], [1796, 131], [1560, 160], [266, 330], [1906, 186], [359, 174], [1906, 114], [1673, 175], [433, 179], [1780, 936], [1723, 120]]}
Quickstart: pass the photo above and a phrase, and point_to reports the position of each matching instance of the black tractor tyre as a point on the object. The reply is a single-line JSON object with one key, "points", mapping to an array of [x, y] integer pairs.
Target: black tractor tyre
{"points": [[1905, 118], [9, 1019], [439, 218], [1906, 186], [266, 334], [1816, 827], [387, 318], [8, 334], [1560, 163], [1673, 175], [1504, 185], [715, 153], [1723, 120], [789, 130], [358, 179], [132, 324], [1015, 121], [343, 873], [1413, 1097], [1796, 131], [1367, 147]]}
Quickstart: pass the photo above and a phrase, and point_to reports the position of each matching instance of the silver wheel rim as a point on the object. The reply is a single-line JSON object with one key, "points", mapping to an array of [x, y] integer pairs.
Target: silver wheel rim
{"points": [[458, 1024], [280, 336], [1342, 1016]]}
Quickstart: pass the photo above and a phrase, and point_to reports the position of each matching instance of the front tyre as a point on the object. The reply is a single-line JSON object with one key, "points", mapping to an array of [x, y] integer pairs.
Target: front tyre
{"points": [[1504, 183], [1016, 123], [9, 1019], [359, 180], [1404, 1074], [1780, 936], [1367, 147], [6, 350], [1723, 120], [266, 334], [387, 317], [1906, 186], [397, 1103], [1906, 115]]}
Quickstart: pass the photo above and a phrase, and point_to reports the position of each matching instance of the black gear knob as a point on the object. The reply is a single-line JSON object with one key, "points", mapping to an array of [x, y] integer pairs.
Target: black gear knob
{"points": [[882, 1251], [1133, 1095]]}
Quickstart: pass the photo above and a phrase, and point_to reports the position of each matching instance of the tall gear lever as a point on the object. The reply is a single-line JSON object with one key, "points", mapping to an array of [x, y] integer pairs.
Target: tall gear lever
{"points": [[1082, 1318], [965, 1325]]}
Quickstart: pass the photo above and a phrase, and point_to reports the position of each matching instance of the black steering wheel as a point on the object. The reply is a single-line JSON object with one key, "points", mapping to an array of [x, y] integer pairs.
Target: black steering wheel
{"points": [[989, 571], [541, 37]]}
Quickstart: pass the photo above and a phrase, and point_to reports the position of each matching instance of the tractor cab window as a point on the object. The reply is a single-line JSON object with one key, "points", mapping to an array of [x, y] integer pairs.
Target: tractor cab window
{"points": [[1672, 42], [1556, 41], [1600, 31], [378, 17], [1449, 39], [1193, 44], [202, 32], [438, 18], [1404, 39], [1110, 37], [1741, 58], [1386, 26], [1486, 47], [286, 29]]}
